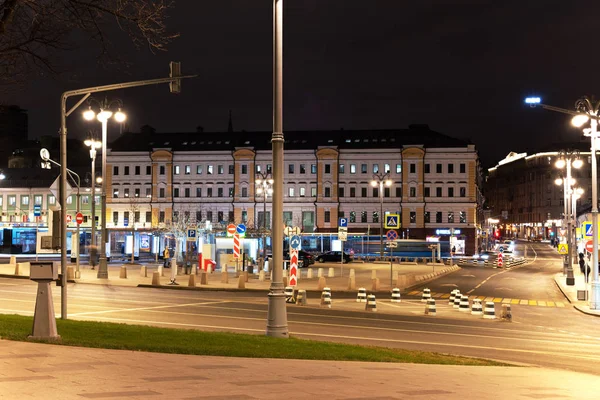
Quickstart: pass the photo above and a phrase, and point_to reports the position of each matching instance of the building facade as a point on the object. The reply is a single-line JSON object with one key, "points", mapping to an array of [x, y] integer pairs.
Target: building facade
{"points": [[158, 179], [523, 197]]}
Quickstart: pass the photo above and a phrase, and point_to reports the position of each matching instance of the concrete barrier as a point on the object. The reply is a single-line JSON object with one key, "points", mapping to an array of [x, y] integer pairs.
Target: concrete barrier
{"points": [[156, 278], [204, 278], [261, 276], [489, 311], [331, 272], [463, 306], [144, 271], [457, 297], [192, 280], [241, 282], [352, 273], [289, 294], [476, 307], [319, 272], [351, 283], [426, 295], [322, 283], [123, 272]]}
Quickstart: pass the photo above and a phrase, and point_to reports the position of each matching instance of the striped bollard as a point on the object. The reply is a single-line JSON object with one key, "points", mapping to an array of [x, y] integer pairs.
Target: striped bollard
{"points": [[490, 310], [326, 299], [476, 307], [464, 303], [301, 298], [361, 297], [371, 303], [452, 297], [396, 295], [456, 299], [506, 313], [430, 307], [426, 295]]}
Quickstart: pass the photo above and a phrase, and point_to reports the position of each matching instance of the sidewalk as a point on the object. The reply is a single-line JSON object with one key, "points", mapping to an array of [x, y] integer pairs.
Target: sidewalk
{"points": [[409, 275], [570, 292], [44, 371]]}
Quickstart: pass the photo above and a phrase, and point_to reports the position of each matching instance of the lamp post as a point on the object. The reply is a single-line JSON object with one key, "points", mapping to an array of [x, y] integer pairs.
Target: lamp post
{"points": [[277, 325], [586, 110], [575, 195], [264, 186], [568, 159], [381, 179], [93, 145], [103, 116]]}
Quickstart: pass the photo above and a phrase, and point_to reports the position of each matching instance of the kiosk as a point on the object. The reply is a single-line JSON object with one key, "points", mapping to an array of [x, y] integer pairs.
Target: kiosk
{"points": [[44, 321]]}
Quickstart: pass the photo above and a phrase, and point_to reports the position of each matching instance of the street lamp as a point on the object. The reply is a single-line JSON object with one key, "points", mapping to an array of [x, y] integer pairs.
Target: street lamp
{"points": [[93, 145], [277, 325], [380, 179], [568, 159], [103, 116], [586, 110], [264, 187]]}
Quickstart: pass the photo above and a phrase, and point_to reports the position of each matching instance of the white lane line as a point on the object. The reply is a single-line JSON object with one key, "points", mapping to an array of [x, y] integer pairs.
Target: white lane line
{"points": [[145, 308], [558, 354]]}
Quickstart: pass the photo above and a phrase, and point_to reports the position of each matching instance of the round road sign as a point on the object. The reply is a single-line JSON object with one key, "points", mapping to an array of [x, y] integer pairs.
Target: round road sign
{"points": [[79, 218], [231, 229], [589, 246]]}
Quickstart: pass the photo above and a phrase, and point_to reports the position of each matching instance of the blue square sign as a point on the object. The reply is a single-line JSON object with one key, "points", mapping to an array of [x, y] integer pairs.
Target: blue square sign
{"points": [[343, 223]]}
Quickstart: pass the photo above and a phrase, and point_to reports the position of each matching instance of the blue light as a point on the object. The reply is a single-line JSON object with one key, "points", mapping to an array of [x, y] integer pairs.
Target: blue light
{"points": [[533, 100]]}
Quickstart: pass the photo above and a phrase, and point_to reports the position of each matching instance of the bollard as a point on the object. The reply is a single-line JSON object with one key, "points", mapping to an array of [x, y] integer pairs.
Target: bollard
{"points": [[143, 271], [319, 272], [309, 273], [331, 273], [352, 272], [204, 278], [209, 269], [351, 283], [361, 297], [464, 303], [457, 297], [371, 303], [327, 289], [241, 282], [13, 260], [326, 299], [490, 310], [322, 283], [192, 280], [285, 281], [396, 295], [452, 297], [289, 294], [123, 272], [245, 273], [301, 298], [224, 274], [70, 273], [506, 313], [161, 270], [155, 278], [430, 307], [375, 284], [426, 295], [476, 307], [261, 276]]}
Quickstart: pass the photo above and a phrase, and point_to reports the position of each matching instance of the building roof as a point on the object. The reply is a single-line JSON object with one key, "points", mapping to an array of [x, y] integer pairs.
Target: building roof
{"points": [[300, 140]]}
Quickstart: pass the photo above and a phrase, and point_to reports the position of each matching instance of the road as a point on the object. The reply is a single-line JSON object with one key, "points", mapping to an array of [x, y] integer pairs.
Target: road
{"points": [[546, 336]]}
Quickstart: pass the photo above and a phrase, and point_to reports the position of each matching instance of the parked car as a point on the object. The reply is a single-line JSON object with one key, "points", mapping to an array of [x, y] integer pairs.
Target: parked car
{"points": [[486, 255], [305, 258], [333, 256], [507, 246]]}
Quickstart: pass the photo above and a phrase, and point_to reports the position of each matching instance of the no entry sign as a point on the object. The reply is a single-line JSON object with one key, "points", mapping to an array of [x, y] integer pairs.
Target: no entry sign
{"points": [[589, 246]]}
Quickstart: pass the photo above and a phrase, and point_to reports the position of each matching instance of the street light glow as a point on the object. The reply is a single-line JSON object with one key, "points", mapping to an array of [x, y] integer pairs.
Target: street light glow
{"points": [[558, 181], [89, 114], [533, 100], [120, 116], [579, 120], [578, 163], [560, 163], [104, 115]]}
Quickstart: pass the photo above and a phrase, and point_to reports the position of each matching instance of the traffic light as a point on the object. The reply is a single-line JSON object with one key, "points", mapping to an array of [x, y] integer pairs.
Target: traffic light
{"points": [[175, 86]]}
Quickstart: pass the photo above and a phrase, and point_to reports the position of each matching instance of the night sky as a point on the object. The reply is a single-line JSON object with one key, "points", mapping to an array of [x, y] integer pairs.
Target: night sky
{"points": [[462, 67]]}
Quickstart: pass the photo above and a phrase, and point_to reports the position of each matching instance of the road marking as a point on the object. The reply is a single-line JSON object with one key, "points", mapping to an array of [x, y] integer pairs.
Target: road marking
{"points": [[414, 293], [497, 299], [541, 303], [507, 300], [560, 304], [524, 303], [532, 302], [147, 308], [550, 304], [489, 299], [514, 301]]}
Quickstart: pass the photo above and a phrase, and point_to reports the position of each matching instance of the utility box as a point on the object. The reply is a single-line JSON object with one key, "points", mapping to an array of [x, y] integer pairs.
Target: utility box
{"points": [[43, 271]]}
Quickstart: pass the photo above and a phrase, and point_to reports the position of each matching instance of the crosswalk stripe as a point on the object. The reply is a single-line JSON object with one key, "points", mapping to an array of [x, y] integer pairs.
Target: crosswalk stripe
{"points": [[507, 300], [497, 300], [515, 301], [541, 303], [524, 302], [532, 303], [560, 304], [550, 304], [489, 299]]}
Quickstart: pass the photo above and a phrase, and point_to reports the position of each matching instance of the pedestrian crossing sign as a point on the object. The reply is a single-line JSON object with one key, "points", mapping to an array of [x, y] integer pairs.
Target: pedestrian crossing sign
{"points": [[563, 248], [587, 229], [392, 221]]}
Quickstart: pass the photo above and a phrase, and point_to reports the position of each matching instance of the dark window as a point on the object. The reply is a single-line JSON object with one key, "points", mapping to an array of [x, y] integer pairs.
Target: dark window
{"points": [[302, 168], [244, 169], [413, 217], [162, 170], [219, 216], [209, 216], [231, 170], [198, 216], [291, 168], [115, 217], [126, 171], [230, 192], [386, 192], [137, 169], [161, 192], [450, 168], [209, 192], [427, 168], [198, 192], [363, 216], [327, 168], [375, 192], [427, 217], [219, 192], [352, 192], [438, 192], [187, 192], [352, 216], [148, 170], [341, 192], [115, 170], [413, 192], [363, 192], [161, 216], [176, 192], [463, 168], [230, 216], [413, 168], [398, 191], [327, 216], [463, 192], [363, 168], [327, 192], [438, 168], [450, 192], [427, 192], [149, 216], [136, 216], [438, 217]]}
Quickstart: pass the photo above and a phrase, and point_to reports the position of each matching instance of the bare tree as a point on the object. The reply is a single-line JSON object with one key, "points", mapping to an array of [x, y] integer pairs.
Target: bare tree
{"points": [[134, 212], [34, 33]]}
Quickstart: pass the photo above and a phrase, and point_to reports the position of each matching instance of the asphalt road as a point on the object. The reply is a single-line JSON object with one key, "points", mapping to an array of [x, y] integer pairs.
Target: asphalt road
{"points": [[545, 336]]}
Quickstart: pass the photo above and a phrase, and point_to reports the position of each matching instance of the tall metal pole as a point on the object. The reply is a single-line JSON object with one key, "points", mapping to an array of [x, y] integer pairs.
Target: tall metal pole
{"points": [[93, 241], [103, 266], [277, 325], [568, 197], [595, 295], [77, 241], [63, 206], [265, 226], [381, 218]]}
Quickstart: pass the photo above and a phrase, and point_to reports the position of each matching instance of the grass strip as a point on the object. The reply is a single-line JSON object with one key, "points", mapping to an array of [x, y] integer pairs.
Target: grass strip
{"points": [[177, 341]]}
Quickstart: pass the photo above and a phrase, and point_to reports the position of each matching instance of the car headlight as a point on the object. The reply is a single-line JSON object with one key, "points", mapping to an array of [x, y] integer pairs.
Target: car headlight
{"points": [[485, 256]]}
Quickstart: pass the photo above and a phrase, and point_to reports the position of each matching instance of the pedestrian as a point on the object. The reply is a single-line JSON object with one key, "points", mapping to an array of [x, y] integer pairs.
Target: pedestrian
{"points": [[581, 263], [453, 250], [166, 257]]}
